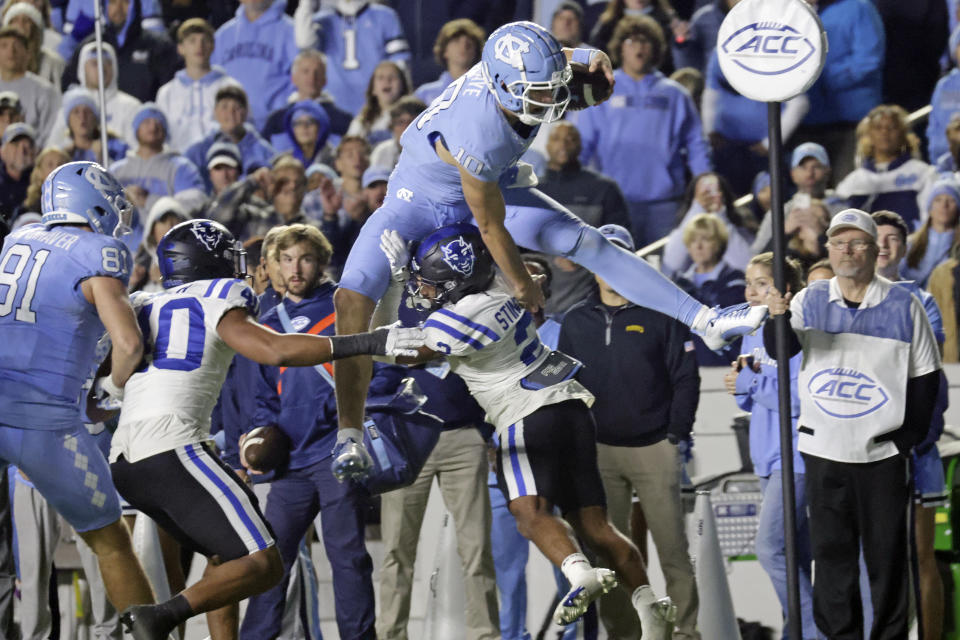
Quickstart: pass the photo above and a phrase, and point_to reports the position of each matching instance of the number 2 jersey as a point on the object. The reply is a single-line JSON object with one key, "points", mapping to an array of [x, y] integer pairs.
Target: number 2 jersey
{"points": [[49, 330], [167, 403], [491, 342]]}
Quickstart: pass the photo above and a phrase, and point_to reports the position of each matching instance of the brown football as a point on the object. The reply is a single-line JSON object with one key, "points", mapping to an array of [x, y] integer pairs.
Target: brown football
{"points": [[265, 449], [587, 89]]}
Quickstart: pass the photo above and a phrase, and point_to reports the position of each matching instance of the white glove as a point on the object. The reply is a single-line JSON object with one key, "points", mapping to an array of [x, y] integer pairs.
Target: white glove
{"points": [[395, 248], [403, 341], [109, 396]]}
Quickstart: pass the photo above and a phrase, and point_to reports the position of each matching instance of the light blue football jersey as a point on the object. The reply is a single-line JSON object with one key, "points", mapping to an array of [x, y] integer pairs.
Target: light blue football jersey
{"points": [[468, 118], [49, 329]]}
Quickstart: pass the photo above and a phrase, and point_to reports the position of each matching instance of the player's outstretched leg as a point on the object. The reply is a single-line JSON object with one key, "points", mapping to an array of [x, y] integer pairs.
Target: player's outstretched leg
{"points": [[352, 377], [123, 576], [657, 616], [540, 223], [221, 585], [538, 524]]}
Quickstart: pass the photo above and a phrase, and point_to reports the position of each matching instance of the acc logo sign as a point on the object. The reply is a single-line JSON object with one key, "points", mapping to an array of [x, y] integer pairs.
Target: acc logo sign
{"points": [[846, 393], [510, 49], [771, 51]]}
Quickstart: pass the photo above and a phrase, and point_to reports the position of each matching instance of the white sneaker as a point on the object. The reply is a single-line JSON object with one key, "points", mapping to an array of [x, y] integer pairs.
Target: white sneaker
{"points": [[730, 323], [573, 605], [657, 619]]}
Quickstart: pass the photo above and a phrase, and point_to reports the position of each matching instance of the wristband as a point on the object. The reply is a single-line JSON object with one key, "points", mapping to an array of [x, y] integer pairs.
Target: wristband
{"points": [[582, 56], [359, 344]]}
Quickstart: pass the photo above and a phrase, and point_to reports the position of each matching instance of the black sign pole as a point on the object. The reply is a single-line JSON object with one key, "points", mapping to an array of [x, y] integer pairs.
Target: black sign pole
{"points": [[783, 373]]}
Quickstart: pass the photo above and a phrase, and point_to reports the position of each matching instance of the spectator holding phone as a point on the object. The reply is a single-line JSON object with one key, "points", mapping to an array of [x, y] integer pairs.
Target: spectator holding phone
{"points": [[752, 380]]}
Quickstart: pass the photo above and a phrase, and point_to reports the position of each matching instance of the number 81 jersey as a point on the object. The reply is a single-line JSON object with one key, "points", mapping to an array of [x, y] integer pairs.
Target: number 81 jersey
{"points": [[168, 401], [49, 330]]}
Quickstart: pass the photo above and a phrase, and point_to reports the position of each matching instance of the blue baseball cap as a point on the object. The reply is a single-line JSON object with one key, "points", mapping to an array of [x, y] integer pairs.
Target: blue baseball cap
{"points": [[18, 129], [809, 150], [375, 174], [618, 235]]}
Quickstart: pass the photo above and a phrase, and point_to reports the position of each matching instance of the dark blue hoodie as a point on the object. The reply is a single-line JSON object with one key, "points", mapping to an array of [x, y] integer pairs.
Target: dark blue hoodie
{"points": [[315, 111]]}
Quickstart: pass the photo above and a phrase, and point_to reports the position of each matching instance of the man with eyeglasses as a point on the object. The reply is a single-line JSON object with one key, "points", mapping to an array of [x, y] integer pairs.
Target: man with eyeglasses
{"points": [[868, 385]]}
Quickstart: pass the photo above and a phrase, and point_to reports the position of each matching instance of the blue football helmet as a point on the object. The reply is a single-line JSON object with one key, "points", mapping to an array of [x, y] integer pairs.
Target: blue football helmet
{"points": [[85, 193], [199, 250], [452, 259], [520, 58]]}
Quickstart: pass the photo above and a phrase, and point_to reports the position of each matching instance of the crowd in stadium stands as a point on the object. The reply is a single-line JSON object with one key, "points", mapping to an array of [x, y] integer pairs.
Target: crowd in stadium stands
{"points": [[264, 114]]}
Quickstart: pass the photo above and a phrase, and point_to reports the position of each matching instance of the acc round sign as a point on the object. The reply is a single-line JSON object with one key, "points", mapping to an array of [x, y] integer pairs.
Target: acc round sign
{"points": [[771, 50]]}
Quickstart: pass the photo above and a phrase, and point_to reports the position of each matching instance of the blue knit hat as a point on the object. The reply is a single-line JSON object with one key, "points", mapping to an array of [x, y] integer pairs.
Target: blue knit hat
{"points": [[77, 97], [150, 110], [942, 186]]}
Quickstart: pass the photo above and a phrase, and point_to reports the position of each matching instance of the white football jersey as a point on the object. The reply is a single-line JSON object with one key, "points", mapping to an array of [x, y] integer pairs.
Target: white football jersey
{"points": [[168, 403], [491, 342]]}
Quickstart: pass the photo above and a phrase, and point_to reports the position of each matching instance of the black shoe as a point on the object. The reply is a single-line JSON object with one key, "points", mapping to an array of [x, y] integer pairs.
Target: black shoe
{"points": [[144, 623]]}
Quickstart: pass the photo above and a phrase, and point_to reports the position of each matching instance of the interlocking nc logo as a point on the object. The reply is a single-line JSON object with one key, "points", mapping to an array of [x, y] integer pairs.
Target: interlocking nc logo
{"points": [[510, 49], [768, 48], [405, 194]]}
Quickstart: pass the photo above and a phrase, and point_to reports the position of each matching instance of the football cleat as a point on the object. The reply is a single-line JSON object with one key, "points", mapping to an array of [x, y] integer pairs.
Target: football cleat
{"points": [[573, 605], [657, 619], [351, 461], [730, 323], [143, 623]]}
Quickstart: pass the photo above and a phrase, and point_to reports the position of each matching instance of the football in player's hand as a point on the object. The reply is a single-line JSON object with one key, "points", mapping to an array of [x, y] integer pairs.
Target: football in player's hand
{"points": [[586, 88], [265, 449]]}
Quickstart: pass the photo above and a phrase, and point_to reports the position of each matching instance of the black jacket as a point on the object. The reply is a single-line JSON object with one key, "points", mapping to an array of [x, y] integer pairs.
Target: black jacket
{"points": [[147, 60], [640, 365]]}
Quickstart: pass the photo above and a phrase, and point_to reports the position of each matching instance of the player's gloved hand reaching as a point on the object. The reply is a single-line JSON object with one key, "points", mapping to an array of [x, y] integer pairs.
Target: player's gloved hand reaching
{"points": [[395, 248], [108, 395], [399, 341], [350, 458]]}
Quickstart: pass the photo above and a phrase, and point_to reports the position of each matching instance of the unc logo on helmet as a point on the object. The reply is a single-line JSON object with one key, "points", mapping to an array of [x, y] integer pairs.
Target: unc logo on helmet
{"points": [[459, 255], [846, 393], [510, 49]]}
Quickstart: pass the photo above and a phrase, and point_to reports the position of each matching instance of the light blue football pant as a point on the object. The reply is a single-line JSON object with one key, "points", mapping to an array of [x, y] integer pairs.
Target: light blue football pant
{"points": [[536, 222]]}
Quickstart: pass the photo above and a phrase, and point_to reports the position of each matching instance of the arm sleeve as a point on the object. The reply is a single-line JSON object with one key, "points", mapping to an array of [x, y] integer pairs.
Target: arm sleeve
{"points": [[681, 360], [868, 46], [918, 410], [589, 137], [766, 393], [305, 34], [770, 338], [395, 46], [792, 115], [747, 379]]}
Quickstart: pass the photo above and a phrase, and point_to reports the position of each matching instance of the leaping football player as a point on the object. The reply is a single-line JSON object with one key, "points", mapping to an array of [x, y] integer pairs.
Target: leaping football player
{"points": [[460, 164], [547, 454], [161, 458]]}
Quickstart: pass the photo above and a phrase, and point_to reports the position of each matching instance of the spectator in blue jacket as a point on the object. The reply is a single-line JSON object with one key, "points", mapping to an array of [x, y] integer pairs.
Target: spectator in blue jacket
{"points": [[257, 48], [710, 279], [230, 111], [700, 39], [737, 127], [301, 403], [648, 134], [458, 48], [944, 104], [851, 82], [891, 175], [308, 128], [752, 380]]}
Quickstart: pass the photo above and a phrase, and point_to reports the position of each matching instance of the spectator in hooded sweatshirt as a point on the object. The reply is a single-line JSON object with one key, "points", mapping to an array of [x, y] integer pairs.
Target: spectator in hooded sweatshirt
{"points": [[150, 172], [121, 106], [355, 36], [307, 128], [257, 48], [165, 213], [309, 77], [230, 110], [458, 48], [42, 61], [188, 98], [851, 82], [648, 134], [146, 59], [38, 98], [944, 104], [81, 115]]}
